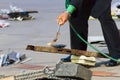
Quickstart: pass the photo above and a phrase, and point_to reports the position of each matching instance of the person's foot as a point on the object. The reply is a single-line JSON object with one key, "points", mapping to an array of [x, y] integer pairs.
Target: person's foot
{"points": [[66, 59], [111, 63]]}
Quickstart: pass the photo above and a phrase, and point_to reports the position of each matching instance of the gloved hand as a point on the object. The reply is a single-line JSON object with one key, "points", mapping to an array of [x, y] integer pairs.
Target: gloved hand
{"points": [[62, 18]]}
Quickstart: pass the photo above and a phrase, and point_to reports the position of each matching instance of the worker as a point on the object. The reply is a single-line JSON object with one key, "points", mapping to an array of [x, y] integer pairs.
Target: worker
{"points": [[78, 12]]}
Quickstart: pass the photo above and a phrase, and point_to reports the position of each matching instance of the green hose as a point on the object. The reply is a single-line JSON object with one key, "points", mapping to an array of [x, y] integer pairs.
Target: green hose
{"points": [[66, 5], [92, 45]]}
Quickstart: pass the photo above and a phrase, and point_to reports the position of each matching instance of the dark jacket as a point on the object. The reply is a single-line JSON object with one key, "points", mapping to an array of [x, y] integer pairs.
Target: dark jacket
{"points": [[99, 7]]}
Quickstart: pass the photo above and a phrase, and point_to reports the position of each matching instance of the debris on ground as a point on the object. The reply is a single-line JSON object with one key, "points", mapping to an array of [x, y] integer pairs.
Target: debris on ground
{"points": [[83, 60], [11, 58], [15, 13], [115, 9], [4, 23]]}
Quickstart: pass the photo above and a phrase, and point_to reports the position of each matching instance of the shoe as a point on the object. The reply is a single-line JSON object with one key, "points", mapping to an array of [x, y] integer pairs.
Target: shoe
{"points": [[111, 63], [66, 59]]}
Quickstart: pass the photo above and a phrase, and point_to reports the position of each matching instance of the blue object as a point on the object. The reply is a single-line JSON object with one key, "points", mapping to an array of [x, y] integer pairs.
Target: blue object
{"points": [[66, 59], [58, 45]]}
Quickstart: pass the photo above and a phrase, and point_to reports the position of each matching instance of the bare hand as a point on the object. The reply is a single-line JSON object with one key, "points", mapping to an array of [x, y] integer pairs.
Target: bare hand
{"points": [[62, 18]]}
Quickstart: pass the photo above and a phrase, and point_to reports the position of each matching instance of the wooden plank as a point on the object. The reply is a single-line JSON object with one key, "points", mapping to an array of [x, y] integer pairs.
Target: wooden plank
{"points": [[63, 51], [8, 78]]}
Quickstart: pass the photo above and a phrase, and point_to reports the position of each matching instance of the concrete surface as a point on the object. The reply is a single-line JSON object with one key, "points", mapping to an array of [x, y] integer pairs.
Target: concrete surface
{"points": [[40, 31]]}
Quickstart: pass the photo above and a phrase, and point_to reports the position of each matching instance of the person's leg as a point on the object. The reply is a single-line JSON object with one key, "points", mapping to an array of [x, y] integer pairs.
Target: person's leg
{"points": [[111, 35], [79, 21]]}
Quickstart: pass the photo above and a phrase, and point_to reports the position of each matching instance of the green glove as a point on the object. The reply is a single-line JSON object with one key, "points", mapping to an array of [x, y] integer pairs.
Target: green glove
{"points": [[70, 8]]}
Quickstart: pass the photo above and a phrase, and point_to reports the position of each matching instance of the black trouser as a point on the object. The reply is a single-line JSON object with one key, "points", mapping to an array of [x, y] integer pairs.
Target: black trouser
{"points": [[79, 21], [111, 33]]}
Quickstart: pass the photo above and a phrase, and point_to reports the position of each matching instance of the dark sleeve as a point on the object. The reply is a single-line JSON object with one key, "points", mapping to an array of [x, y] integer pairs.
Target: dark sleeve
{"points": [[76, 3]]}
